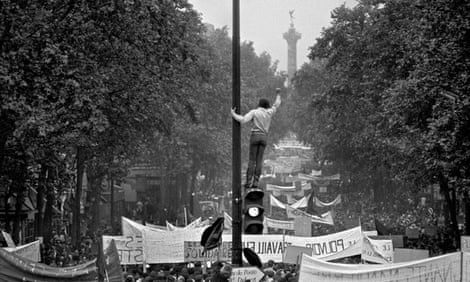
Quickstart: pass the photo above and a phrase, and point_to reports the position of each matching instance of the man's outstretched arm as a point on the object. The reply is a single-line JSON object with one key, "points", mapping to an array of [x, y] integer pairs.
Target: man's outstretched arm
{"points": [[277, 102], [242, 119]]}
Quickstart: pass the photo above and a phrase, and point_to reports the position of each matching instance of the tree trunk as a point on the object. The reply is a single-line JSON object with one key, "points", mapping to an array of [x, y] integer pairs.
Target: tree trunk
{"points": [[7, 213], [39, 218], [95, 175], [451, 206], [467, 213], [50, 198], [78, 195], [95, 187], [19, 187], [18, 214]]}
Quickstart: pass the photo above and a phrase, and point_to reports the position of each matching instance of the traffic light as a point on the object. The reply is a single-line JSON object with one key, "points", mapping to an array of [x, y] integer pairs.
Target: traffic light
{"points": [[253, 211]]}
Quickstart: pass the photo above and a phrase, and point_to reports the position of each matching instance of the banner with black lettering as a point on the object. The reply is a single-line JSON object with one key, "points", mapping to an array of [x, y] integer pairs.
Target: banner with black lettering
{"points": [[378, 251], [168, 246], [129, 248], [332, 246], [271, 247], [442, 268]]}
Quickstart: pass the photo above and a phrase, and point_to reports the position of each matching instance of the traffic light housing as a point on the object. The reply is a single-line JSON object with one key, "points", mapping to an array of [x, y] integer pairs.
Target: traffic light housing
{"points": [[253, 211]]}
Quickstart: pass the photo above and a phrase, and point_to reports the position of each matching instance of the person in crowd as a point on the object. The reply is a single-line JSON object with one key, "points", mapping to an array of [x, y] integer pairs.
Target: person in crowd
{"points": [[261, 118]]}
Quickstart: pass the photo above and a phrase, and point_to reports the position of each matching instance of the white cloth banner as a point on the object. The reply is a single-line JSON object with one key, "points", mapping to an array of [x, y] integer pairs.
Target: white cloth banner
{"points": [[130, 227], [466, 266], [332, 246], [303, 203], [129, 248], [8, 239], [30, 251], [279, 224], [272, 187], [321, 204], [318, 177], [169, 247], [195, 224], [274, 202], [227, 221], [171, 227], [442, 268], [325, 218], [378, 251], [156, 226]]}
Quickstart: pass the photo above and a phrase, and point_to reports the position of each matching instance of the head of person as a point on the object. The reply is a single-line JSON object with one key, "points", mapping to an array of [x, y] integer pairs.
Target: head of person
{"points": [[264, 103]]}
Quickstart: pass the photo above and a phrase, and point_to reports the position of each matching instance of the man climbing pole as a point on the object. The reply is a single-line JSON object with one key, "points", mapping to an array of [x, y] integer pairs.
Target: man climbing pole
{"points": [[261, 117]]}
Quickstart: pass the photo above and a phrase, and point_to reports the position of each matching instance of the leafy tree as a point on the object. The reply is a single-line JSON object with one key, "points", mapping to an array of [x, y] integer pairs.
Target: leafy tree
{"points": [[379, 108]]}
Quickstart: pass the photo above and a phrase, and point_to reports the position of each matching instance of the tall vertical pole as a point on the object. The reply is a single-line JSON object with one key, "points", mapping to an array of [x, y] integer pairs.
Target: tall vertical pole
{"points": [[236, 142]]}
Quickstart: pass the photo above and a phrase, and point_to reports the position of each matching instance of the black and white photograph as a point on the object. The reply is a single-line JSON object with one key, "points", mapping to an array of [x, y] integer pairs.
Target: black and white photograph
{"points": [[234, 140]]}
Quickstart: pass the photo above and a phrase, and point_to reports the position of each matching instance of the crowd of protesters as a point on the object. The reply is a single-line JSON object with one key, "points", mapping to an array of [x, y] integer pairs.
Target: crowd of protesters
{"points": [[217, 272], [422, 226], [399, 214]]}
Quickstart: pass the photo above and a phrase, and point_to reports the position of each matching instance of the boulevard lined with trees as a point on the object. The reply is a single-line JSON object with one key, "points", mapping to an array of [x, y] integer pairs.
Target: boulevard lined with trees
{"points": [[98, 86]]}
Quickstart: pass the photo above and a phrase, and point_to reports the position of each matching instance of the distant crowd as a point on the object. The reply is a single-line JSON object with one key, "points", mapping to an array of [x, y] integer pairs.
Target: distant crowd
{"points": [[401, 214]]}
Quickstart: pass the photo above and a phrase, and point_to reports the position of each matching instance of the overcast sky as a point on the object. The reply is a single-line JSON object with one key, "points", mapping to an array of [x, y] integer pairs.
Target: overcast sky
{"points": [[264, 21]]}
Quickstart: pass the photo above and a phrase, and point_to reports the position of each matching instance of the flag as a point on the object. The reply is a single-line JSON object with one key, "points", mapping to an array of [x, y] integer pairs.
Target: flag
{"points": [[101, 263], [212, 236], [381, 229], [112, 263]]}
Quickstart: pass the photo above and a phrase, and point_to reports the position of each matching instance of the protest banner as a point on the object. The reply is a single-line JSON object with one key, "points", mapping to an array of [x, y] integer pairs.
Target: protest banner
{"points": [[17, 268], [293, 254], [130, 227], [303, 202], [164, 228], [8, 239], [445, 268], [325, 218], [279, 224], [168, 246], [378, 251], [243, 274], [465, 266], [130, 248], [193, 251], [161, 247], [30, 251], [465, 243], [332, 246]]}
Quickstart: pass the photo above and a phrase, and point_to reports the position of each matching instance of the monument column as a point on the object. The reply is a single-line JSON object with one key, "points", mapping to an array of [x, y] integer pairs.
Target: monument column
{"points": [[291, 36]]}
